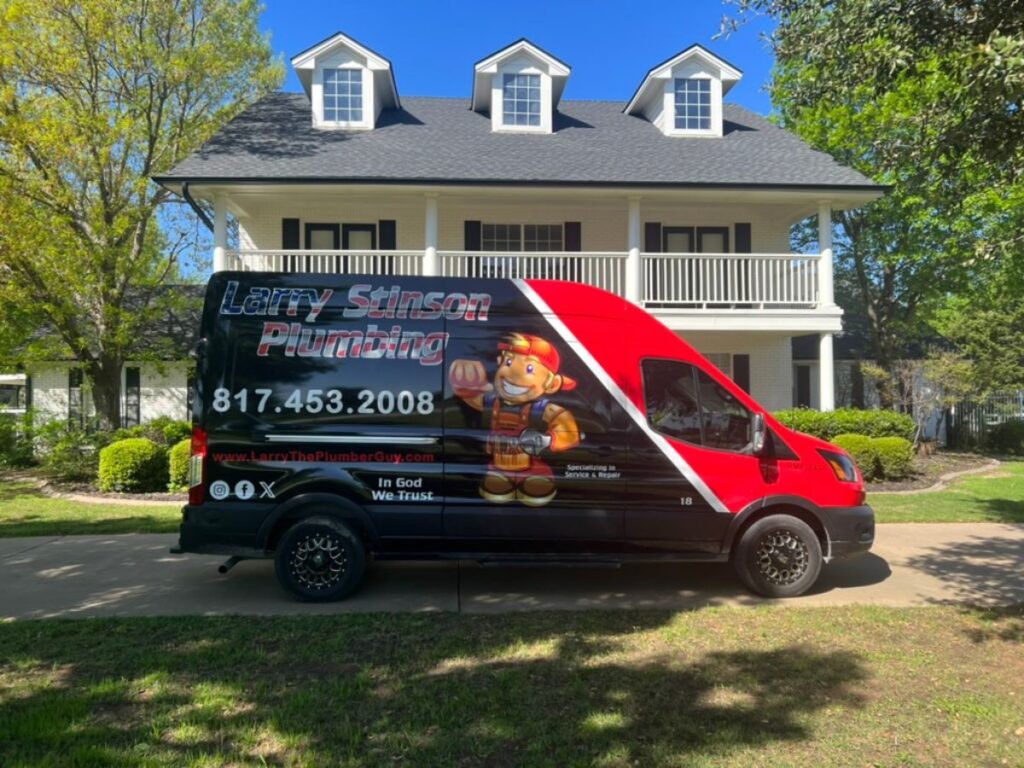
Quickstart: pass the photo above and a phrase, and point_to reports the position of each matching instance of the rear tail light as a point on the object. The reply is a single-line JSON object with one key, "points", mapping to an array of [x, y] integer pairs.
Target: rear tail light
{"points": [[197, 468]]}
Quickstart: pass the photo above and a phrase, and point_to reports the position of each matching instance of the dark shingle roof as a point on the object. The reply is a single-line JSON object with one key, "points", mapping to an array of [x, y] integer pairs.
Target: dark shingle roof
{"points": [[441, 141]]}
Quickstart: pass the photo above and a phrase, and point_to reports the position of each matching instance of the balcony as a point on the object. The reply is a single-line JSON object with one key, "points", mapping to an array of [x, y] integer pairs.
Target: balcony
{"points": [[666, 283]]}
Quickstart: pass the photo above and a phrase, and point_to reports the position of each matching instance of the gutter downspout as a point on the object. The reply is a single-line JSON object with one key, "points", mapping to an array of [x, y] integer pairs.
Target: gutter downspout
{"points": [[195, 206]]}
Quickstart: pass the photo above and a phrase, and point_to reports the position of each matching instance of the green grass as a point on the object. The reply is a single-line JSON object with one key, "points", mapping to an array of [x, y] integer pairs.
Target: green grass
{"points": [[25, 511], [716, 687], [996, 496]]}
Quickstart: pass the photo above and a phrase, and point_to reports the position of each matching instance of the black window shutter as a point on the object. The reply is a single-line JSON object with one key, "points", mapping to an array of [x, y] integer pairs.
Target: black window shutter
{"points": [[473, 236], [652, 237], [743, 238], [388, 234], [741, 371], [573, 236], [290, 234]]}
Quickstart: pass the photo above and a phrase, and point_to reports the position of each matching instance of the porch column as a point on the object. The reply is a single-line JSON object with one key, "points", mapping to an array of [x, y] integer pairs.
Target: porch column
{"points": [[220, 233], [826, 297], [826, 374], [430, 265], [634, 267]]}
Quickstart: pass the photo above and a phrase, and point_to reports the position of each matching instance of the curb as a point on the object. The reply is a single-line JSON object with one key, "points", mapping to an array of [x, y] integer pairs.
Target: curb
{"points": [[944, 480]]}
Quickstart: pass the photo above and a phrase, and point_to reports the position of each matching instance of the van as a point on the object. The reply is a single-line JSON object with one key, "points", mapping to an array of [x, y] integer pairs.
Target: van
{"points": [[342, 417]]}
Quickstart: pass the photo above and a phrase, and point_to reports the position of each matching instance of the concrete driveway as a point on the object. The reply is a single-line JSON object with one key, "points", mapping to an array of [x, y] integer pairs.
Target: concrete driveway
{"points": [[134, 575]]}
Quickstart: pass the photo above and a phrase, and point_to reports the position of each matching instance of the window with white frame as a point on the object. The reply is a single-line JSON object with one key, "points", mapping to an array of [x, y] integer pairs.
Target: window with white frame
{"points": [[721, 360], [501, 237], [522, 100], [343, 95], [693, 104], [546, 238], [543, 238]]}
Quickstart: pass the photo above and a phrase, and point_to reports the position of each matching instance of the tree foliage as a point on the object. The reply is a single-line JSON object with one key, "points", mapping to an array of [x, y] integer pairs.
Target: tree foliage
{"points": [[925, 96], [96, 96]]}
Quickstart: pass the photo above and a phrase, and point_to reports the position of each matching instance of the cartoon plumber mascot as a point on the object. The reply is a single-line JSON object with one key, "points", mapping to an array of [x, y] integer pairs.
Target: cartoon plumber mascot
{"points": [[523, 421]]}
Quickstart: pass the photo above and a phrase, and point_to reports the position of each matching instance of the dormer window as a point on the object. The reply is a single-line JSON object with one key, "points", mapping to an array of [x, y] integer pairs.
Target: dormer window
{"points": [[682, 96], [522, 100], [693, 104], [343, 95], [348, 84], [519, 88]]}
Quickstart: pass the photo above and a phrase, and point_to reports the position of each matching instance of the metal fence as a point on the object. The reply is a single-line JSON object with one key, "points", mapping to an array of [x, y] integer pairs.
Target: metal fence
{"points": [[970, 421]]}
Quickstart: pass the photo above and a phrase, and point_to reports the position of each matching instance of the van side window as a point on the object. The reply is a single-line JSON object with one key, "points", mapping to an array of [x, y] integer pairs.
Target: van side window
{"points": [[685, 403], [670, 393], [726, 422]]}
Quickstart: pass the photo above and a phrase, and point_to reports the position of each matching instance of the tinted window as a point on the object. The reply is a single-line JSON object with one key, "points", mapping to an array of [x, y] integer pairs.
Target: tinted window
{"points": [[726, 422], [670, 392], [685, 403]]}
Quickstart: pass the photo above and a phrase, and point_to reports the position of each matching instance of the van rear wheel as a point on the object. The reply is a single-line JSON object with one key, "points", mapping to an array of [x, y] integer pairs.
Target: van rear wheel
{"points": [[320, 559], [779, 556]]}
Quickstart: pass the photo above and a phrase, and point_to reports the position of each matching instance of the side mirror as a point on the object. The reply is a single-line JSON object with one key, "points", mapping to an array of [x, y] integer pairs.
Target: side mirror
{"points": [[758, 433]]}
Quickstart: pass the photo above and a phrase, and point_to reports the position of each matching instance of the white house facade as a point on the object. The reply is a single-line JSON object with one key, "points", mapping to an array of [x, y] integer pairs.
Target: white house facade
{"points": [[677, 200]]}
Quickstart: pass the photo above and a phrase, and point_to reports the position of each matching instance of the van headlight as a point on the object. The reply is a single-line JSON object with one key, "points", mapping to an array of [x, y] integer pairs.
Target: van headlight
{"points": [[842, 465]]}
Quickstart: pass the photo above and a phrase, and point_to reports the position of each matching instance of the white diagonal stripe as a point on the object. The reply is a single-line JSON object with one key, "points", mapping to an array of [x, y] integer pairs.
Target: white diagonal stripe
{"points": [[620, 397]]}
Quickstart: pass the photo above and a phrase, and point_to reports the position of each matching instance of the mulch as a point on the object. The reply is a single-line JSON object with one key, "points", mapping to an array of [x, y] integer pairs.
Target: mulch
{"points": [[929, 469]]}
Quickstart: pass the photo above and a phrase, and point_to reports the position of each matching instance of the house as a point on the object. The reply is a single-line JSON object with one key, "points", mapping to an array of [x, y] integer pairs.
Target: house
{"points": [[156, 384], [675, 198]]}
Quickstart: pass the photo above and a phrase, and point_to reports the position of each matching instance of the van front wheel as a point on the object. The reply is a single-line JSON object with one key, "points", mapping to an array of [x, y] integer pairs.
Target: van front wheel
{"points": [[779, 556], [320, 559]]}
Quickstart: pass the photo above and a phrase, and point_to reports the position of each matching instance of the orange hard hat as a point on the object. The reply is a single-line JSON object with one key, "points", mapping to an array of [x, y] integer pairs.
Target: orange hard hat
{"points": [[540, 349]]}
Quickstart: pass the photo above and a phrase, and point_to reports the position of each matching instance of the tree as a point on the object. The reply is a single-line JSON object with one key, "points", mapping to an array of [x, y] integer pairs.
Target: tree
{"points": [[96, 96], [925, 96]]}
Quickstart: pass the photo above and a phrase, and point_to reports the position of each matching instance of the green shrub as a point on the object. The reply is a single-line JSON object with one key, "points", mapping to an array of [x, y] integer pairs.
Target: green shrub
{"points": [[15, 441], [895, 456], [862, 449], [69, 452], [1007, 437], [180, 455], [170, 431], [135, 465], [827, 425], [162, 431]]}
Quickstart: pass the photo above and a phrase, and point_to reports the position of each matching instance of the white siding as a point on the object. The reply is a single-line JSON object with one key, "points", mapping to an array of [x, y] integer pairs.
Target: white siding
{"points": [[604, 222], [49, 390]]}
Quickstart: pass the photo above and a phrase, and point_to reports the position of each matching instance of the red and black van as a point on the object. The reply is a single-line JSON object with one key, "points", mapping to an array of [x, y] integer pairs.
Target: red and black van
{"points": [[338, 417]]}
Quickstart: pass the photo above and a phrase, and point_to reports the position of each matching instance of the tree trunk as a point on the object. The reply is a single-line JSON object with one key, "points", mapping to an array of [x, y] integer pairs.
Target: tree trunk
{"points": [[105, 377]]}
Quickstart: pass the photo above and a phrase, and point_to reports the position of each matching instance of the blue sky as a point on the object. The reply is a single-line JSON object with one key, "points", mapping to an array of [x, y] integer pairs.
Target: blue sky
{"points": [[609, 45]]}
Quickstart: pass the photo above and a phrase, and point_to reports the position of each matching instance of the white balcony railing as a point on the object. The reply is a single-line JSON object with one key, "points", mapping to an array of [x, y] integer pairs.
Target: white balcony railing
{"points": [[604, 270], [327, 262], [719, 281], [700, 279]]}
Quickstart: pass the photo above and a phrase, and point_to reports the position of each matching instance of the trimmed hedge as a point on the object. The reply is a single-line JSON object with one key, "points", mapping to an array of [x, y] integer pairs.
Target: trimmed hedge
{"points": [[1007, 437], [135, 465], [895, 456], [862, 449], [179, 455], [844, 421], [161, 430]]}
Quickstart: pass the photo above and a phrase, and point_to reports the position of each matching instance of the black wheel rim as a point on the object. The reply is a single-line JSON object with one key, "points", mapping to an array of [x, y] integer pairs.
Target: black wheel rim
{"points": [[318, 561], [782, 557]]}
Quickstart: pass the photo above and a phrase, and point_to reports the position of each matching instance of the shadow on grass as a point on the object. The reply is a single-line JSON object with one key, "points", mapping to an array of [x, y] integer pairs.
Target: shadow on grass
{"points": [[1003, 510], [1006, 623], [539, 689], [18, 489], [979, 571], [41, 525]]}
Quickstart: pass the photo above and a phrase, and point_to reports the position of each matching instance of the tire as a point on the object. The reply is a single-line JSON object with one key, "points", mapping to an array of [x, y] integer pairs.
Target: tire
{"points": [[778, 556], [320, 559]]}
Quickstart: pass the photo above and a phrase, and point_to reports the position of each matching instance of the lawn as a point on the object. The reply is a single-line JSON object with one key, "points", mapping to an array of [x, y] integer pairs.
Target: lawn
{"points": [[25, 511], [722, 686], [996, 496]]}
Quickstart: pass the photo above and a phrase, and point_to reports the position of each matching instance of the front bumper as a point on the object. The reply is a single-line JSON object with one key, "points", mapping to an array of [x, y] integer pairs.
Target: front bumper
{"points": [[851, 530]]}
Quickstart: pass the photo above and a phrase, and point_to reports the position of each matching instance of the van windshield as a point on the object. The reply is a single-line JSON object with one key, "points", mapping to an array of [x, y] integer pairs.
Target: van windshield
{"points": [[685, 403]]}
